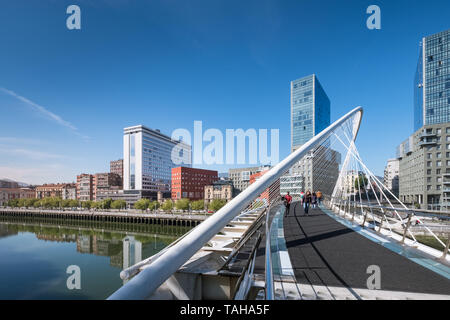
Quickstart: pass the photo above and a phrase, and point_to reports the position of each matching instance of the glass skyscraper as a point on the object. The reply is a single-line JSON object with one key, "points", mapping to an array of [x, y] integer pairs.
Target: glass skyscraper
{"points": [[310, 110], [432, 81]]}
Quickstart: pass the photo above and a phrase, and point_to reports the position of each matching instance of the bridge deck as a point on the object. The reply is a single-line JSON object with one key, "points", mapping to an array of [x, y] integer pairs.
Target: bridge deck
{"points": [[325, 252]]}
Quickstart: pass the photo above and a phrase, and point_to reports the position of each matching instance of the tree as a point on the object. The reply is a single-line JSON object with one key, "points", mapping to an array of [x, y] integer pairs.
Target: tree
{"points": [[154, 205], [118, 204], [142, 204], [198, 205], [182, 204], [106, 204], [167, 205], [86, 204], [65, 203], [13, 203], [73, 203], [30, 202], [216, 204], [37, 204], [360, 182]]}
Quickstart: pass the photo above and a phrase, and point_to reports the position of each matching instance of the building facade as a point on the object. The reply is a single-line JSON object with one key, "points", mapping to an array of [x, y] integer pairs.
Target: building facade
{"points": [[424, 158], [310, 110], [85, 187], [105, 181], [240, 177], [391, 175], [7, 194], [271, 193], [116, 167], [149, 157], [8, 184], [221, 189], [60, 190], [432, 81], [190, 182]]}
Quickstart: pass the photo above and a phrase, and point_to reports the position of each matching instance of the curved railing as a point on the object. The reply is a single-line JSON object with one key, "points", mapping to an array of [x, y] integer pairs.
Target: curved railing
{"points": [[149, 279]]}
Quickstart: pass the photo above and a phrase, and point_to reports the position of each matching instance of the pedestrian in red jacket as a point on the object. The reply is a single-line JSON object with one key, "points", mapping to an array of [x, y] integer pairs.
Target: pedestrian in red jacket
{"points": [[287, 203]]}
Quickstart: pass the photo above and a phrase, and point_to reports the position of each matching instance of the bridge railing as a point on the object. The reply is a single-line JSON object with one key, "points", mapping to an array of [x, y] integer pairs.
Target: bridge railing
{"points": [[152, 277]]}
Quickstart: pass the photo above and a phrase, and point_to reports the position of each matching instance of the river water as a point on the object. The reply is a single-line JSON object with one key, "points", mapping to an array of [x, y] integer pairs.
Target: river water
{"points": [[35, 255]]}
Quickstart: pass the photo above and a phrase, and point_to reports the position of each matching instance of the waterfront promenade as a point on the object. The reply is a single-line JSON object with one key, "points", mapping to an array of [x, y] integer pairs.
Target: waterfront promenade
{"points": [[121, 216]]}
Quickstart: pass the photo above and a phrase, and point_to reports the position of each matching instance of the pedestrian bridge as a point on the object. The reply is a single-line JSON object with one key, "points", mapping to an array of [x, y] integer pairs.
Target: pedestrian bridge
{"points": [[360, 242]]}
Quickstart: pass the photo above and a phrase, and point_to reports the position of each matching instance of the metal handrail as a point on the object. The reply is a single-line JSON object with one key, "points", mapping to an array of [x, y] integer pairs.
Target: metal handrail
{"points": [[248, 270], [244, 238], [151, 278], [269, 284]]}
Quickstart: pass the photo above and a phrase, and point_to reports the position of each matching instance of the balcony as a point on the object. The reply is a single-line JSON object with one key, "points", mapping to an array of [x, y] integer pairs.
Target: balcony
{"points": [[427, 143], [427, 134]]}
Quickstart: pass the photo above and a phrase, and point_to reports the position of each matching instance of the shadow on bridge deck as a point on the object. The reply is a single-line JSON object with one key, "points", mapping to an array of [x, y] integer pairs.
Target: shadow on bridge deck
{"points": [[325, 252]]}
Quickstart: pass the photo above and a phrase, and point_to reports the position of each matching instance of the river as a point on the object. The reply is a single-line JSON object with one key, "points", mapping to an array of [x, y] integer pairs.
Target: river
{"points": [[35, 255]]}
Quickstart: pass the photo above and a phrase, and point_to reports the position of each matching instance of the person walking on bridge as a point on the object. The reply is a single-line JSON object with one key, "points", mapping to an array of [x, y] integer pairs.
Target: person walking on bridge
{"points": [[307, 201], [319, 197], [287, 203]]}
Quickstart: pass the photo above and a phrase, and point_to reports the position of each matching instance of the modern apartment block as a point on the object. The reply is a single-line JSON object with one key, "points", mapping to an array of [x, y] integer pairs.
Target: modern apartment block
{"points": [[149, 157], [190, 182], [310, 110], [317, 171], [240, 177], [391, 175], [424, 158], [116, 167], [85, 187], [105, 182]]}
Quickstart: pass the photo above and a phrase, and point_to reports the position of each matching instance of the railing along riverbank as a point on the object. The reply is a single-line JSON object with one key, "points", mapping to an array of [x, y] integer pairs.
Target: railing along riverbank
{"points": [[176, 219]]}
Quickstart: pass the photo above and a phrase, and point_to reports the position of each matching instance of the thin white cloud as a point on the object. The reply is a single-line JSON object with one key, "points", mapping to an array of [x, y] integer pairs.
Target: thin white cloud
{"points": [[32, 154], [43, 111]]}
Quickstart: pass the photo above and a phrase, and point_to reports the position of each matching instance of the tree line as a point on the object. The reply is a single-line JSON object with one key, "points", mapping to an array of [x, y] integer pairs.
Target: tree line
{"points": [[142, 204], [56, 202], [182, 204]]}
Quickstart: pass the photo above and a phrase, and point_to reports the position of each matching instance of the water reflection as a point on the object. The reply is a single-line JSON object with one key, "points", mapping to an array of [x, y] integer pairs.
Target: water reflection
{"points": [[101, 251]]}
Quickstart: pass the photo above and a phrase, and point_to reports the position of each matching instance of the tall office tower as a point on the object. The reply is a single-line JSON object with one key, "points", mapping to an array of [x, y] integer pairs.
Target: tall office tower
{"points": [[310, 110], [310, 114], [424, 166], [432, 81], [149, 157]]}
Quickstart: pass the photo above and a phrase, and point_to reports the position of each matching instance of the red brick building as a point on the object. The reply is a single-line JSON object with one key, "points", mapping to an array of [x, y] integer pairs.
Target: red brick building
{"points": [[271, 193], [190, 182]]}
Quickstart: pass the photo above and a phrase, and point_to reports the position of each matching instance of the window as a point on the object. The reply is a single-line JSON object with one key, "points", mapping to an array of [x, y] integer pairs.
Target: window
{"points": [[438, 171], [429, 156], [438, 155], [429, 171], [438, 163], [428, 163]]}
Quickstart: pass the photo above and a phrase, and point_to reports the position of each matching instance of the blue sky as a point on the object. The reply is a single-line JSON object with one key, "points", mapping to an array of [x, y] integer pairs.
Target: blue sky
{"points": [[66, 95]]}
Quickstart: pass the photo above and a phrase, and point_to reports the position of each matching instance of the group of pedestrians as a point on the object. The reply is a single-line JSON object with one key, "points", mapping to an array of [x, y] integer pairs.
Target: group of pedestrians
{"points": [[307, 200]]}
